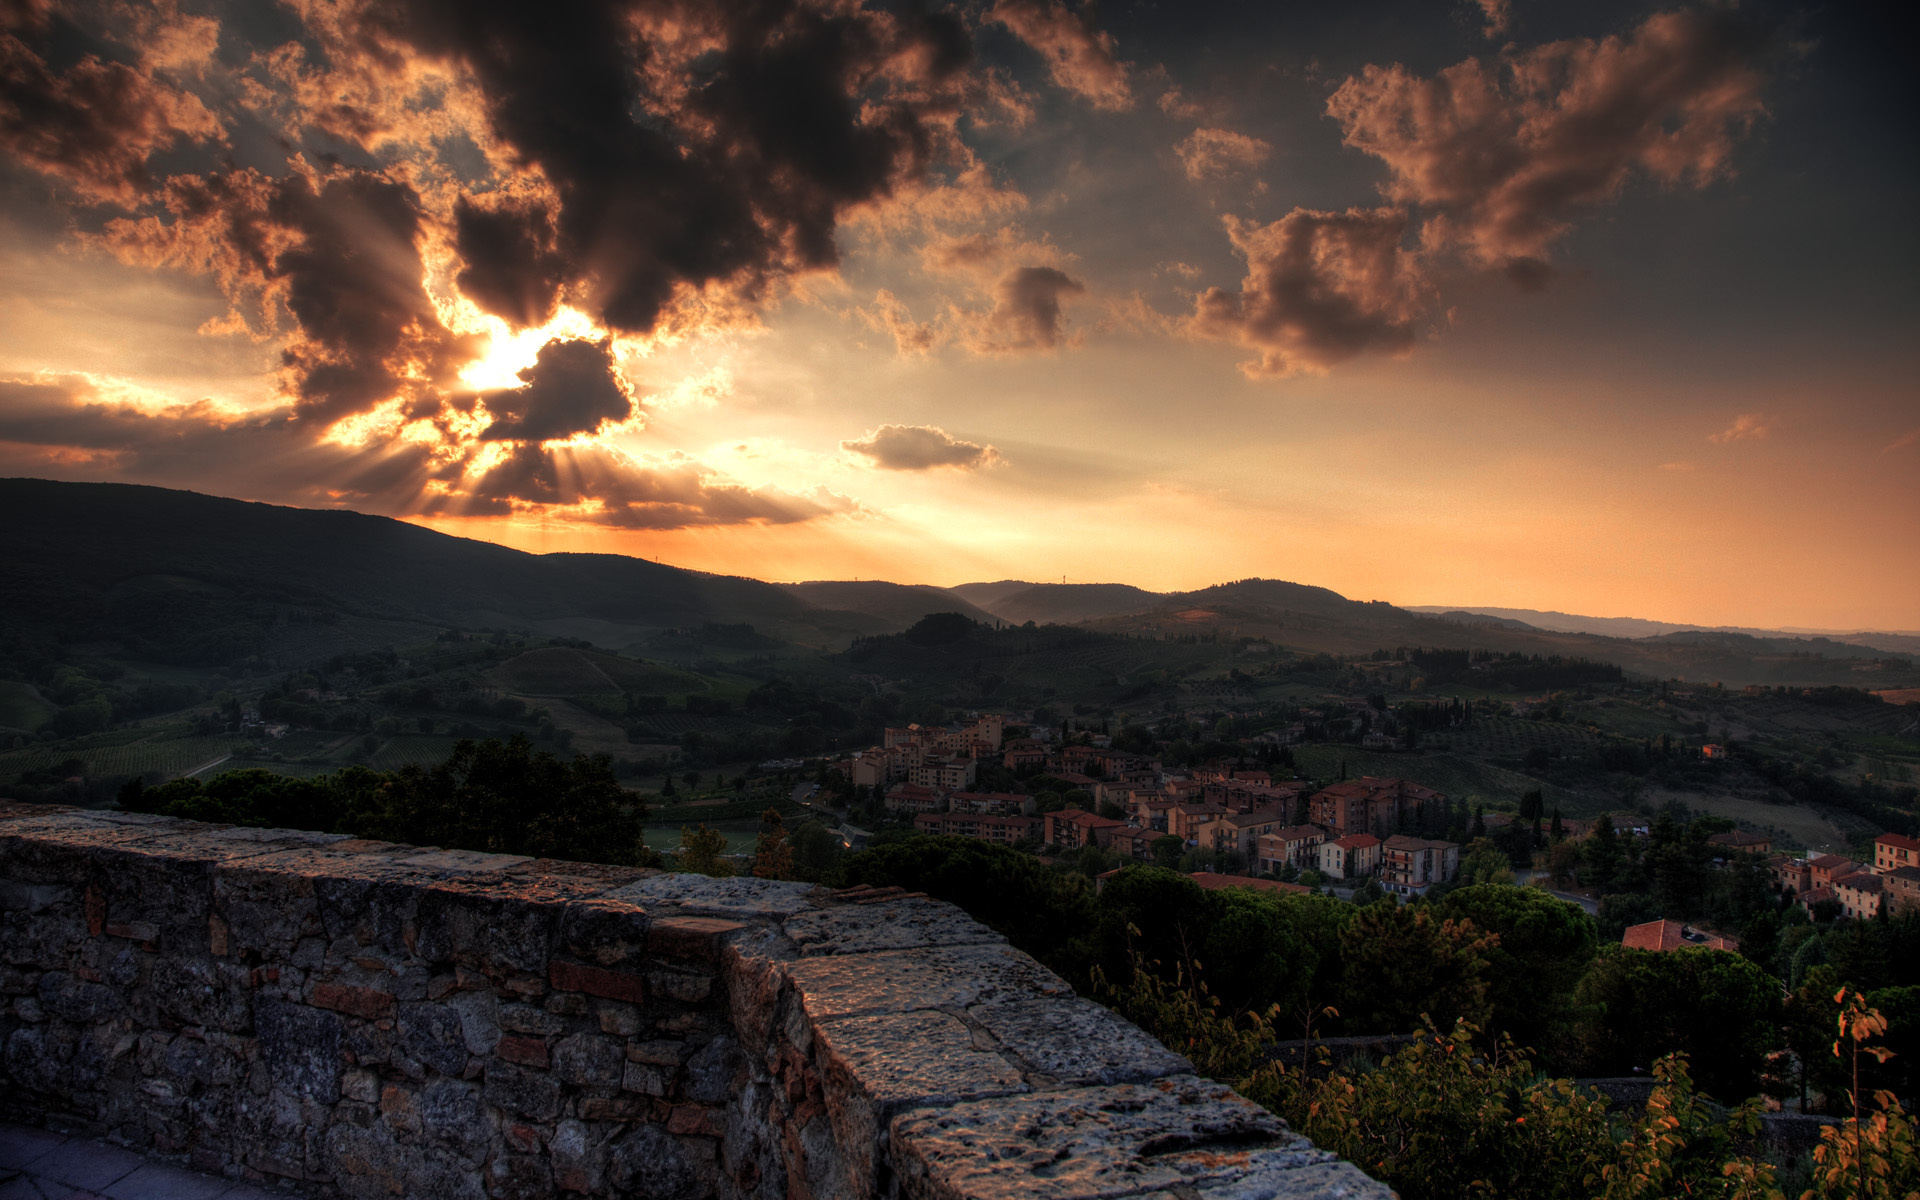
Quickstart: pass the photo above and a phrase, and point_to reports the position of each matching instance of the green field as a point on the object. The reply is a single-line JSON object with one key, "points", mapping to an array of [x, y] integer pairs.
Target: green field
{"points": [[1457, 776], [1512, 737], [563, 671], [168, 756], [741, 835], [22, 707]]}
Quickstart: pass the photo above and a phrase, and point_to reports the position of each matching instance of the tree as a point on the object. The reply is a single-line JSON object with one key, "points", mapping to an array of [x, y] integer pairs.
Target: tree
{"points": [[1406, 964], [1167, 850], [1485, 862], [1717, 1008], [1545, 946], [1601, 856], [700, 851], [772, 856], [817, 850]]}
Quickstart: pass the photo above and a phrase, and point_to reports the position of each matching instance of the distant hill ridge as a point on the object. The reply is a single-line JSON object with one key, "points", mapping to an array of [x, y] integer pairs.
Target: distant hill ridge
{"points": [[175, 576], [1898, 641]]}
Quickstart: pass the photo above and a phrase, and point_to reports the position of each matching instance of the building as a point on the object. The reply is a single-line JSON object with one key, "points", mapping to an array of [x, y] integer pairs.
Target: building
{"points": [[1411, 865], [1185, 820], [1826, 868], [1354, 856], [1891, 850], [946, 772], [1672, 935], [913, 798], [1900, 890], [1134, 842], [1739, 841], [1784, 872], [1239, 832], [1003, 803], [1298, 845], [1713, 750], [1859, 894], [1071, 828], [1369, 805], [988, 827]]}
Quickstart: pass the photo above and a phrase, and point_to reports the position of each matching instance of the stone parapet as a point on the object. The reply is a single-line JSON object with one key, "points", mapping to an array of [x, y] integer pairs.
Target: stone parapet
{"points": [[368, 1019]]}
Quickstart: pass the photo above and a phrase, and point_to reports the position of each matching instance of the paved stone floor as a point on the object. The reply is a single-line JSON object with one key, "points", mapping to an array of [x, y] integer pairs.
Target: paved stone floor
{"points": [[36, 1164]]}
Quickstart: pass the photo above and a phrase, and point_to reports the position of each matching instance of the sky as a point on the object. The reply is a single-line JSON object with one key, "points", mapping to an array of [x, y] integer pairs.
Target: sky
{"points": [[1603, 308]]}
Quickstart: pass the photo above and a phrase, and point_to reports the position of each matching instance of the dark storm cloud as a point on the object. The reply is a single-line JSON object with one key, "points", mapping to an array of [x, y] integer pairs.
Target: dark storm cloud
{"points": [[1504, 153], [572, 387], [272, 456], [512, 268], [93, 125], [1321, 288], [1080, 55], [672, 168], [619, 493], [1026, 313], [644, 160], [920, 448]]}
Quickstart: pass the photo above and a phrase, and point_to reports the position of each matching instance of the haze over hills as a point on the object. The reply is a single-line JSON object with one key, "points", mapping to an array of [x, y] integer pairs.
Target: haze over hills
{"points": [[1900, 641], [169, 576]]}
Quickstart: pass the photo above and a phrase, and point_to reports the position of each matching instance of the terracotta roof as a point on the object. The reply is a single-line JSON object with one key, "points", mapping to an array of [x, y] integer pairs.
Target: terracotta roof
{"points": [[1860, 881], [1296, 833], [1830, 862], [1405, 841], [1357, 841], [1672, 935], [1213, 882], [1089, 820], [1901, 840]]}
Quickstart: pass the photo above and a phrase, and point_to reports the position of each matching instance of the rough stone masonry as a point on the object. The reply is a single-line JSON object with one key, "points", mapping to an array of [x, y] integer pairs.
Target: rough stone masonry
{"points": [[372, 1020]]}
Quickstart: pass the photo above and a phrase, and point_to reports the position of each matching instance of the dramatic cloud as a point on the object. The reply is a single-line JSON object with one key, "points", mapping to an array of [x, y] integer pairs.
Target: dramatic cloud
{"points": [[1078, 52], [891, 317], [1212, 153], [68, 423], [626, 169], [572, 387], [95, 124], [921, 448], [1747, 427], [1321, 288], [1505, 153], [1026, 313], [1499, 16]]}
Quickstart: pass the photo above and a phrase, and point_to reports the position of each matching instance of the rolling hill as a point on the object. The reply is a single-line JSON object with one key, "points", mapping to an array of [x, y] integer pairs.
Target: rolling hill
{"points": [[159, 576]]}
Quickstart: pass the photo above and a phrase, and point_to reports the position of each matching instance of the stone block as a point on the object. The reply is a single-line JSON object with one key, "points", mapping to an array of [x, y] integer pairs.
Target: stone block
{"points": [[463, 861], [734, 896], [1123, 1140], [300, 1047], [649, 1161], [525, 1018], [604, 932], [526, 1051], [1068, 1040], [691, 937], [588, 1060], [432, 1035], [597, 981], [534, 1095], [889, 925], [369, 1004], [902, 980], [914, 1058]]}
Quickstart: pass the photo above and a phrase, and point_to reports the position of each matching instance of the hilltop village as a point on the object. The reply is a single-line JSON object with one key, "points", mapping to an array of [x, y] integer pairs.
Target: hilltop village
{"points": [[1250, 822]]}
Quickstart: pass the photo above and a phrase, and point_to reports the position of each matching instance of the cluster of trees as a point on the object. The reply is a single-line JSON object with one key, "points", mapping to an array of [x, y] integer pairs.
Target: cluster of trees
{"points": [[1671, 873], [1515, 961], [493, 796]]}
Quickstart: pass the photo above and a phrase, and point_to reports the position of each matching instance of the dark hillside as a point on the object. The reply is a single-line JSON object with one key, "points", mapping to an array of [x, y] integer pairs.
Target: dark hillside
{"points": [[898, 604], [1066, 603], [178, 576]]}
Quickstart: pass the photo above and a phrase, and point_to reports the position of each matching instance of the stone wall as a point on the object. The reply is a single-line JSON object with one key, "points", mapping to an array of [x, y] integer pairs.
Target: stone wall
{"points": [[368, 1019]]}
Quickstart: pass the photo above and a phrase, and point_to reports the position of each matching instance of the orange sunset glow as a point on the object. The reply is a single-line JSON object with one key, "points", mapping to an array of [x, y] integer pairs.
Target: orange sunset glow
{"points": [[1606, 309]]}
